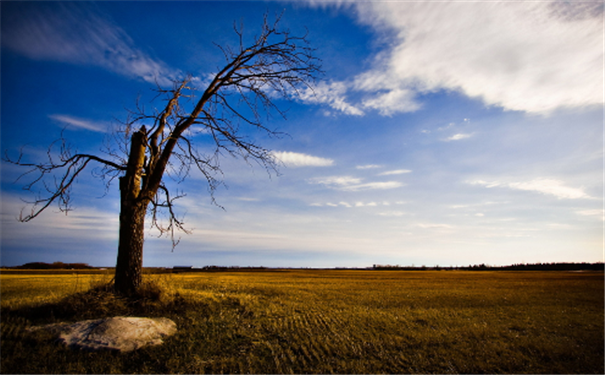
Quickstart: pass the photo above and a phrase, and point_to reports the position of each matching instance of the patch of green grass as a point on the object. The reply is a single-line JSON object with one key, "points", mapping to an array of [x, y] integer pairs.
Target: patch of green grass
{"points": [[325, 322]]}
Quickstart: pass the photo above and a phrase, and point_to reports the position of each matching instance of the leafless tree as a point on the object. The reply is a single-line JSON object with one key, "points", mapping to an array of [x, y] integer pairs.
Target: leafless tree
{"points": [[241, 95]]}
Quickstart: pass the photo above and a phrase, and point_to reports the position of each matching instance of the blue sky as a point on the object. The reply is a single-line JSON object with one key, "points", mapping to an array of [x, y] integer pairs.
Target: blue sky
{"points": [[447, 133]]}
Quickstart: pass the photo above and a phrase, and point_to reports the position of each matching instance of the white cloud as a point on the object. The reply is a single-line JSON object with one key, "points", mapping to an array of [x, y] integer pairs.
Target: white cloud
{"points": [[457, 137], [526, 56], [395, 172], [295, 159], [335, 181], [540, 185], [552, 187], [368, 166], [332, 94], [356, 204], [373, 186], [392, 101], [79, 123], [348, 183], [75, 34]]}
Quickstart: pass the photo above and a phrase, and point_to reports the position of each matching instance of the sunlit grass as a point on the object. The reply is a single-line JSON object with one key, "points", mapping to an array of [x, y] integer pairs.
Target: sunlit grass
{"points": [[331, 322], [29, 289]]}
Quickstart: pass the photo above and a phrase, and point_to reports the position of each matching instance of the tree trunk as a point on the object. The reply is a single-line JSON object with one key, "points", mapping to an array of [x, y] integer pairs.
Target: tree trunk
{"points": [[133, 208], [129, 266]]}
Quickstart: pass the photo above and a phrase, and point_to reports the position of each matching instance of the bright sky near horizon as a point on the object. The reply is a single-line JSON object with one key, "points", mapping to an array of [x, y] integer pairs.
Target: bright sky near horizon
{"points": [[442, 133]]}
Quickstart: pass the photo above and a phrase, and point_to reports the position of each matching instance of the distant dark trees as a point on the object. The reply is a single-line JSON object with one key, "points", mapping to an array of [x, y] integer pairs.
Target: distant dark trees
{"points": [[598, 266], [54, 266]]}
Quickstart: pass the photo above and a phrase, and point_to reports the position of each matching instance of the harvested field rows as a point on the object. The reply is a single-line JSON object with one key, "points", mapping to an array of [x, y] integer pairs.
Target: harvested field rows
{"points": [[345, 322]]}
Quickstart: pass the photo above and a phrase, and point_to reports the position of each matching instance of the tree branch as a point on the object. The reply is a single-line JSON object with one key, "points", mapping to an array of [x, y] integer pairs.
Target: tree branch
{"points": [[69, 166]]}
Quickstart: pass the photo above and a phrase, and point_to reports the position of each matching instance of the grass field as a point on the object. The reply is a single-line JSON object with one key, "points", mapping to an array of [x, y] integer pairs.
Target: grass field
{"points": [[323, 322]]}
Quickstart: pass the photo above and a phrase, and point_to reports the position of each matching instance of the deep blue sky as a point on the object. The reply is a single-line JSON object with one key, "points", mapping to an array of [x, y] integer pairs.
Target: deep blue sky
{"points": [[441, 133]]}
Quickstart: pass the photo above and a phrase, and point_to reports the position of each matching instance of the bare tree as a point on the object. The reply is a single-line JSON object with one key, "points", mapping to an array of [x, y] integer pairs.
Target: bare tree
{"points": [[276, 65]]}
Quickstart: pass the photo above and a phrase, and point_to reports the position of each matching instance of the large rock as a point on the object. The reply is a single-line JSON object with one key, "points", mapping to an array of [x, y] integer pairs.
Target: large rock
{"points": [[120, 333]]}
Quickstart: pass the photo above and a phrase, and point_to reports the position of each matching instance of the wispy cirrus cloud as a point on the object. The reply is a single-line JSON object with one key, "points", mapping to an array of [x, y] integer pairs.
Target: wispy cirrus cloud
{"points": [[526, 56], [333, 94], [368, 166], [348, 183], [394, 100], [541, 185], [335, 181], [79, 123], [76, 33], [374, 186], [296, 160], [395, 172], [84, 223], [358, 204], [535, 57]]}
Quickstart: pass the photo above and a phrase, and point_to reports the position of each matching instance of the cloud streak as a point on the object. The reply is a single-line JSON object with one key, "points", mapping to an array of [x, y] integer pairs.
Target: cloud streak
{"points": [[75, 34], [348, 183], [333, 94], [74, 122], [395, 172], [297, 160], [369, 166], [541, 185], [358, 204]]}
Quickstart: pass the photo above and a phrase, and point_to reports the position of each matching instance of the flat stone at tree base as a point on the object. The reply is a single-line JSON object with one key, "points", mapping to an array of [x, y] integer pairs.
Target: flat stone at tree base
{"points": [[120, 333]]}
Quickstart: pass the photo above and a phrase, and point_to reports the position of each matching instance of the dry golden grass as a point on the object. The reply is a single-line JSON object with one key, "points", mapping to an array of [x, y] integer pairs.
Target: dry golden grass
{"points": [[327, 322], [32, 288]]}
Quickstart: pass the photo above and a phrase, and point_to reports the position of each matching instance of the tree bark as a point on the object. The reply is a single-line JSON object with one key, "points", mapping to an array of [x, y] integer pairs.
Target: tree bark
{"points": [[133, 209], [128, 276]]}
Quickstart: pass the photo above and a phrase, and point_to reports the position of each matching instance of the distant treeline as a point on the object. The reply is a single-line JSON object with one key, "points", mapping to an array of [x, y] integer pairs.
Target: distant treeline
{"points": [[599, 266], [54, 266]]}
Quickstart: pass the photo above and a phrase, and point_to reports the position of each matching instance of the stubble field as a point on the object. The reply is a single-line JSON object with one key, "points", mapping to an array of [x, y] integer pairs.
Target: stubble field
{"points": [[311, 321]]}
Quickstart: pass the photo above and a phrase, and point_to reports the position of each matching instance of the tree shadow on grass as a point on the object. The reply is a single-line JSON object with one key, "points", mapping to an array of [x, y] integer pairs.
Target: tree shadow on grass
{"points": [[25, 351], [101, 301], [198, 321]]}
